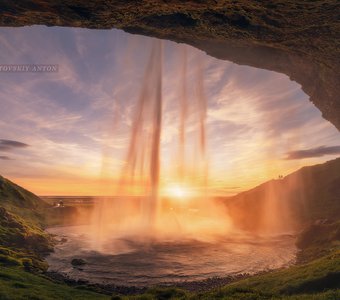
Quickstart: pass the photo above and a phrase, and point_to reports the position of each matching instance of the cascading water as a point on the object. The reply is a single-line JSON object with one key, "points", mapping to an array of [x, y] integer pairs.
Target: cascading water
{"points": [[162, 235], [144, 149], [148, 217]]}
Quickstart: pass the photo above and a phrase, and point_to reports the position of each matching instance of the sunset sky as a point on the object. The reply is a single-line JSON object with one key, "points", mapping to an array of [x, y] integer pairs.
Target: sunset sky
{"points": [[66, 133]]}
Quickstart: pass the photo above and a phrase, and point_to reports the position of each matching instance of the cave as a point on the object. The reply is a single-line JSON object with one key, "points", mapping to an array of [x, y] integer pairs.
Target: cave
{"points": [[286, 221], [297, 38]]}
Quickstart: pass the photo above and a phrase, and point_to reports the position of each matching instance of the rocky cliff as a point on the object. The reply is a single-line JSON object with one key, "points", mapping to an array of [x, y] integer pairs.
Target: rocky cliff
{"points": [[299, 38]]}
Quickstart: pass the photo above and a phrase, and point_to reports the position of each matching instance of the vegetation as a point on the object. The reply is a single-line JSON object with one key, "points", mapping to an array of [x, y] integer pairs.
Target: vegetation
{"points": [[22, 239], [318, 279], [15, 283], [21, 202], [318, 240], [23, 243], [311, 194]]}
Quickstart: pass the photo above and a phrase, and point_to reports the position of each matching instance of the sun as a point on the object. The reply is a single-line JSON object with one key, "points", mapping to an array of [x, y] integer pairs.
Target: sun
{"points": [[178, 191]]}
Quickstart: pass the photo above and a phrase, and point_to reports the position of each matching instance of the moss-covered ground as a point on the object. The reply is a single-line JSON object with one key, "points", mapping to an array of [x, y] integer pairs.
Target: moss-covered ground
{"points": [[23, 243]]}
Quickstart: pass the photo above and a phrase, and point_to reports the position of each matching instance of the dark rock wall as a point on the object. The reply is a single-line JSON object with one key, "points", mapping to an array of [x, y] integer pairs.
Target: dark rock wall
{"points": [[300, 38]]}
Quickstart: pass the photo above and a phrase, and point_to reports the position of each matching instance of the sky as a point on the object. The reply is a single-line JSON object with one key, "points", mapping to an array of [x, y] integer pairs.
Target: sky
{"points": [[66, 132]]}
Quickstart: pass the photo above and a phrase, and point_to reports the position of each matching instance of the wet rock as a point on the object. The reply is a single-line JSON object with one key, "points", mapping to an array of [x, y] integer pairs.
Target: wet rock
{"points": [[78, 262]]}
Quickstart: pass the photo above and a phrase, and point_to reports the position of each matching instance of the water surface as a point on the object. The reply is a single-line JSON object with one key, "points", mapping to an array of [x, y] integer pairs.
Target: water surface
{"points": [[130, 262]]}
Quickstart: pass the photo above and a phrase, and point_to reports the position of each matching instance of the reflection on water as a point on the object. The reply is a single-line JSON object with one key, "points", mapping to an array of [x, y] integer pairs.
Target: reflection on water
{"points": [[132, 262]]}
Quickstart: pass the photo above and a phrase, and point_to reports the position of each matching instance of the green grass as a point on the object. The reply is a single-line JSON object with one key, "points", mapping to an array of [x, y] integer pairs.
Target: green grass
{"points": [[316, 280], [22, 203], [23, 242], [159, 294], [15, 283], [319, 280], [22, 238], [318, 240]]}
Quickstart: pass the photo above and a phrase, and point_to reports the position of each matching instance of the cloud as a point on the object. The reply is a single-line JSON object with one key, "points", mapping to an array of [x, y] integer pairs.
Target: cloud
{"points": [[7, 145], [3, 157], [83, 113], [313, 152]]}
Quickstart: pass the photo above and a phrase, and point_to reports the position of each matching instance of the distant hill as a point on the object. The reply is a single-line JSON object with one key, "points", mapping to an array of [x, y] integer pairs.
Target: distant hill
{"points": [[303, 197], [14, 195], [23, 246]]}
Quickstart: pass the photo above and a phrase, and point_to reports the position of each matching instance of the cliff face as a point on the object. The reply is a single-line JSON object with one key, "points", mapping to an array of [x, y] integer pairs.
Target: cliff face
{"points": [[297, 37], [308, 196]]}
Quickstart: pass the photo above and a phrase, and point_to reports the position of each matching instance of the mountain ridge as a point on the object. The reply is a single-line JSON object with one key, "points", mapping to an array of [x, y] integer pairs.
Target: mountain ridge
{"points": [[307, 195]]}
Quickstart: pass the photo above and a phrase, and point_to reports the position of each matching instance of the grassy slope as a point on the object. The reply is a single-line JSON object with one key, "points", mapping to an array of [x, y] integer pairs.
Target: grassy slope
{"points": [[22, 246], [321, 277], [318, 240], [318, 274], [18, 284], [317, 279], [21, 202], [22, 238], [312, 193]]}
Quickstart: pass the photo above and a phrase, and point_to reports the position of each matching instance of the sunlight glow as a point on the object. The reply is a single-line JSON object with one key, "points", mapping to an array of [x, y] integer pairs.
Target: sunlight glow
{"points": [[178, 191], [254, 118]]}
